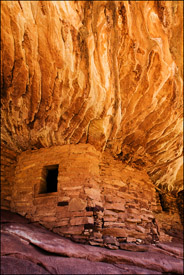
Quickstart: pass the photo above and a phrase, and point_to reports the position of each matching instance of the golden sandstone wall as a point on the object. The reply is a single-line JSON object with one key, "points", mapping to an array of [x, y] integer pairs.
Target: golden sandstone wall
{"points": [[99, 200]]}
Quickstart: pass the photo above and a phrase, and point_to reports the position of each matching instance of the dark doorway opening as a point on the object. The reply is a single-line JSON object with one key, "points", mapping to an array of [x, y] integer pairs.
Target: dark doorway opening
{"points": [[163, 202], [50, 179]]}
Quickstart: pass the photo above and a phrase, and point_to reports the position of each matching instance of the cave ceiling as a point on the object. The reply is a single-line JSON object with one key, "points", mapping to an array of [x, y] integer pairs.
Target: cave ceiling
{"points": [[100, 72]]}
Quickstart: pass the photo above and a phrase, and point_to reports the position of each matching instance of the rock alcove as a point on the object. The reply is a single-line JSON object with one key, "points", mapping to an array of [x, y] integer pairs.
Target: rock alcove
{"points": [[92, 95]]}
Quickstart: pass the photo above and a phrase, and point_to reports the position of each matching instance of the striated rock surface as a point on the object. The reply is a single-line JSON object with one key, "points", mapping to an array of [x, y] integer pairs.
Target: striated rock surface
{"points": [[98, 72], [30, 249]]}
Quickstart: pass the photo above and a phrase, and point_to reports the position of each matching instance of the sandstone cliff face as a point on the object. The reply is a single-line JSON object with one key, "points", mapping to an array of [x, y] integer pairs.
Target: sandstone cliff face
{"points": [[104, 73]]}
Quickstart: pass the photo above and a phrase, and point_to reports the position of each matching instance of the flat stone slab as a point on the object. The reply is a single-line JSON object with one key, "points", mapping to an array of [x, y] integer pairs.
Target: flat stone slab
{"points": [[177, 250], [12, 265], [134, 247]]}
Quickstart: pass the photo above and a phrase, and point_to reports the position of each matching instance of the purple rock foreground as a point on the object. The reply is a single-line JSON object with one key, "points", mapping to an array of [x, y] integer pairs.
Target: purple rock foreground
{"points": [[28, 248]]}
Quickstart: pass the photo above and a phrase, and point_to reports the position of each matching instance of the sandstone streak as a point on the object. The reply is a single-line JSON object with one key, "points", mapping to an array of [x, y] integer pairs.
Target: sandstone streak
{"points": [[104, 73]]}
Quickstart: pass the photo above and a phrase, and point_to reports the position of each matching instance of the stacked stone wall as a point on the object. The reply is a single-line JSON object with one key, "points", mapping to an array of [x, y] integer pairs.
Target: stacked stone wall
{"points": [[129, 198], [8, 164], [99, 200], [180, 205], [167, 215]]}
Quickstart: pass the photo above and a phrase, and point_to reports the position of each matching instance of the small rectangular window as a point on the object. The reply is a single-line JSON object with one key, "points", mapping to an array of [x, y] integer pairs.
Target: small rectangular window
{"points": [[49, 179]]}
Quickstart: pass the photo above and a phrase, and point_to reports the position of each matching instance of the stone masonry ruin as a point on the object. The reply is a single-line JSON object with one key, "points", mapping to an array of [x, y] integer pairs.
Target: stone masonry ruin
{"points": [[96, 199]]}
